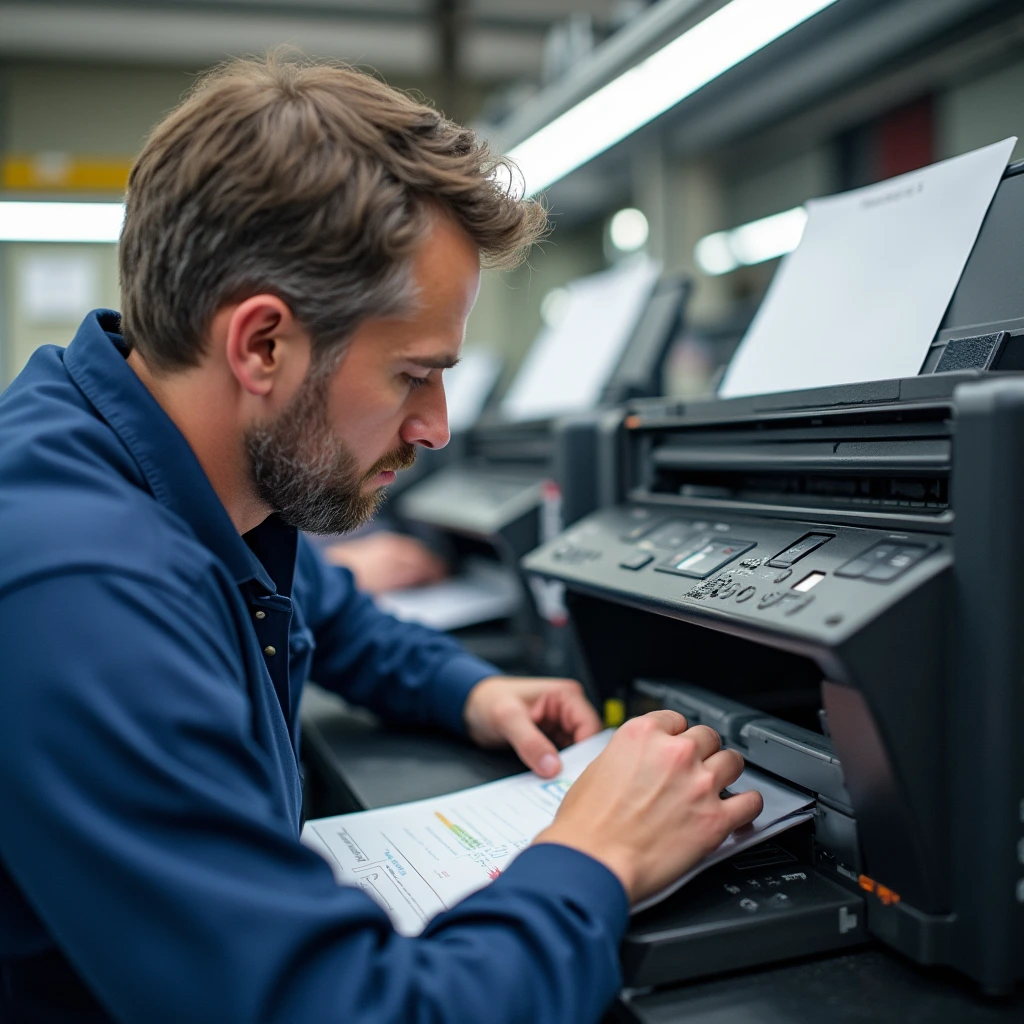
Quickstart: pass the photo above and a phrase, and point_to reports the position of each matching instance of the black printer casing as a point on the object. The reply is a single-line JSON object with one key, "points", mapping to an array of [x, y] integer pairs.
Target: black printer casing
{"points": [[855, 552]]}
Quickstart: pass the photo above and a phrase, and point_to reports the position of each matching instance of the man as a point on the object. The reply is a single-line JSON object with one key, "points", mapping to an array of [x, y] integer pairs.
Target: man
{"points": [[301, 249]]}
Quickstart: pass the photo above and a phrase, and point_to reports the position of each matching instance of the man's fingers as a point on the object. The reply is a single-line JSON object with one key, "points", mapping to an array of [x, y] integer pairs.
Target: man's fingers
{"points": [[726, 765], [564, 712], [707, 741], [668, 721], [742, 808], [579, 717], [535, 750]]}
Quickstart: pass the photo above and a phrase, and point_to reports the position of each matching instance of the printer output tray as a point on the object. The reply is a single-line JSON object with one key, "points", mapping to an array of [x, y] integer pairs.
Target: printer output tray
{"points": [[759, 907]]}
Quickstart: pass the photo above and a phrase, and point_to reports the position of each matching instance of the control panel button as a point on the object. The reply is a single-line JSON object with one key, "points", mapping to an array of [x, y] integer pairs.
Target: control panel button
{"points": [[783, 576], [641, 522], [574, 555], [728, 590], [902, 559], [745, 594], [884, 562], [672, 534], [793, 603], [804, 546], [856, 567], [706, 556], [637, 561], [769, 599]]}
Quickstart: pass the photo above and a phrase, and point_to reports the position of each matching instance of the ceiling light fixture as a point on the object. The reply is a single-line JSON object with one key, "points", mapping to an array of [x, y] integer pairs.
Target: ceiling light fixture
{"points": [[760, 240], [29, 221], [647, 90], [629, 230]]}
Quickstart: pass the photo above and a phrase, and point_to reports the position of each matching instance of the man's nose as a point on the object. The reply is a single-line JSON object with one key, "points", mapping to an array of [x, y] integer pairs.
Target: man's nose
{"points": [[427, 425]]}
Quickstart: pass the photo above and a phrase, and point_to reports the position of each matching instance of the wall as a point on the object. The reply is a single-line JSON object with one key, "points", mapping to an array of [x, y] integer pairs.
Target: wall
{"points": [[84, 109], [83, 276], [983, 110]]}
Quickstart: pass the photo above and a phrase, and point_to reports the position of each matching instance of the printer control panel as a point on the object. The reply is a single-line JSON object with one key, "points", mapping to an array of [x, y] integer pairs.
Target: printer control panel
{"points": [[763, 571]]}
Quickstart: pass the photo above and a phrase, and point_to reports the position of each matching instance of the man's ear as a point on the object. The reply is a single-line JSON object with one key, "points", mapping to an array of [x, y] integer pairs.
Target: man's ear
{"points": [[264, 345]]}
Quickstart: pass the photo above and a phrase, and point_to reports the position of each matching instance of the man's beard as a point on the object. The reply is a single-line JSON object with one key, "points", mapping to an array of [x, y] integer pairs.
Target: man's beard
{"points": [[307, 475]]}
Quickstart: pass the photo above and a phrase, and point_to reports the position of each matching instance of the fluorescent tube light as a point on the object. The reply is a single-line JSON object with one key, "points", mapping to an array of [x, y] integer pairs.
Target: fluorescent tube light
{"points": [[760, 240], [714, 255], [60, 222], [637, 96]]}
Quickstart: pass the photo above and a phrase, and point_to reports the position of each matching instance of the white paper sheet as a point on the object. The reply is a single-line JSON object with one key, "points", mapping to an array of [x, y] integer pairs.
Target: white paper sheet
{"points": [[571, 362], [467, 386], [481, 593], [864, 292], [420, 858]]}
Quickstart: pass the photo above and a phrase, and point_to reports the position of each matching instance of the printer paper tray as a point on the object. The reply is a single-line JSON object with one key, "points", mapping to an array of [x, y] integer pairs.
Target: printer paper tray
{"points": [[739, 914]]}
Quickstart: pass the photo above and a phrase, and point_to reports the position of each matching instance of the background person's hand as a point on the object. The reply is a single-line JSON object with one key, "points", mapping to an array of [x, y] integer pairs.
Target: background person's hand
{"points": [[648, 807], [386, 561], [533, 716]]}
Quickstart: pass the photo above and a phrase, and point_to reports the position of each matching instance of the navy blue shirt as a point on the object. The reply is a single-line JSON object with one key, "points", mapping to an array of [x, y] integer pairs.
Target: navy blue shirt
{"points": [[152, 665]]}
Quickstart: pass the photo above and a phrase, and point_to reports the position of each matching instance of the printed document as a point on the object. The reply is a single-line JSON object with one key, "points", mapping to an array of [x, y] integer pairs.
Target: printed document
{"points": [[863, 294], [421, 858]]}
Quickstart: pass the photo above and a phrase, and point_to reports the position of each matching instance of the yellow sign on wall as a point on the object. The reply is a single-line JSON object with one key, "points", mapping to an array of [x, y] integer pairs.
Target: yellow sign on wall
{"points": [[63, 172]]}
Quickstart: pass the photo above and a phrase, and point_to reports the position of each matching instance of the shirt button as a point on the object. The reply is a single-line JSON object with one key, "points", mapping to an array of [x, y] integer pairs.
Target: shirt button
{"points": [[270, 651], [261, 615]]}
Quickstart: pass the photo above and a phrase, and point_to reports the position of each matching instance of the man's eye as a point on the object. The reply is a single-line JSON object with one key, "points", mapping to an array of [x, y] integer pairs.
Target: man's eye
{"points": [[416, 382]]}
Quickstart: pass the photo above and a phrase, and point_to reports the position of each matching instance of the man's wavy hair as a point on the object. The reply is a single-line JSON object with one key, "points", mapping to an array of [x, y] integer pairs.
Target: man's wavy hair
{"points": [[311, 181]]}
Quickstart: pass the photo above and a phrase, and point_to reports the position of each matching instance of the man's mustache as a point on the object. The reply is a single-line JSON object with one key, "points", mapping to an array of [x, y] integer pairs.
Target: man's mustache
{"points": [[399, 459]]}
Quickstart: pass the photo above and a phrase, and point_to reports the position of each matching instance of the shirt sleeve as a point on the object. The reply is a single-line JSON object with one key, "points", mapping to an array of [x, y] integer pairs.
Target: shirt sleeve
{"points": [[140, 818], [404, 672]]}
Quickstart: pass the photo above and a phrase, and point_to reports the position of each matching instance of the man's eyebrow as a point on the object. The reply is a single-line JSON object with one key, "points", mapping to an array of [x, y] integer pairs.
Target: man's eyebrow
{"points": [[434, 362]]}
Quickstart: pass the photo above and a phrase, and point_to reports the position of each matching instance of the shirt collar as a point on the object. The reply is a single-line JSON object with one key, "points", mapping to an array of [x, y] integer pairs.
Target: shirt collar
{"points": [[95, 359]]}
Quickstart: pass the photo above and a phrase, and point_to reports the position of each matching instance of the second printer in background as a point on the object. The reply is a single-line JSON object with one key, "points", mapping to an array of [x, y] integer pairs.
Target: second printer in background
{"points": [[530, 466]]}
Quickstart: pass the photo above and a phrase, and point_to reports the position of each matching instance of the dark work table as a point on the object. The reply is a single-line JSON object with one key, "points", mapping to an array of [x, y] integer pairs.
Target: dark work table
{"points": [[354, 763]]}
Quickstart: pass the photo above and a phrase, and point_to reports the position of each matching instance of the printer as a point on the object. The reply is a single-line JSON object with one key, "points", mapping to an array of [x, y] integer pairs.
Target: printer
{"points": [[834, 580], [529, 465]]}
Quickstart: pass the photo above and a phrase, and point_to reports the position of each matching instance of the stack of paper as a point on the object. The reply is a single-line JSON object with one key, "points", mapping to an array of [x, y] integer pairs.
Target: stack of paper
{"points": [[421, 858]]}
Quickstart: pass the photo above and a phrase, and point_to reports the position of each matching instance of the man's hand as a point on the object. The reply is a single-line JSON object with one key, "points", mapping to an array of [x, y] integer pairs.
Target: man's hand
{"points": [[533, 716], [386, 561], [648, 807]]}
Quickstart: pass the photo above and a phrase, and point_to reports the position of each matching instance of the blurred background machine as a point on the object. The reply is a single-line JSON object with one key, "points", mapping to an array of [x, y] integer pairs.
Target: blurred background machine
{"points": [[530, 466]]}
